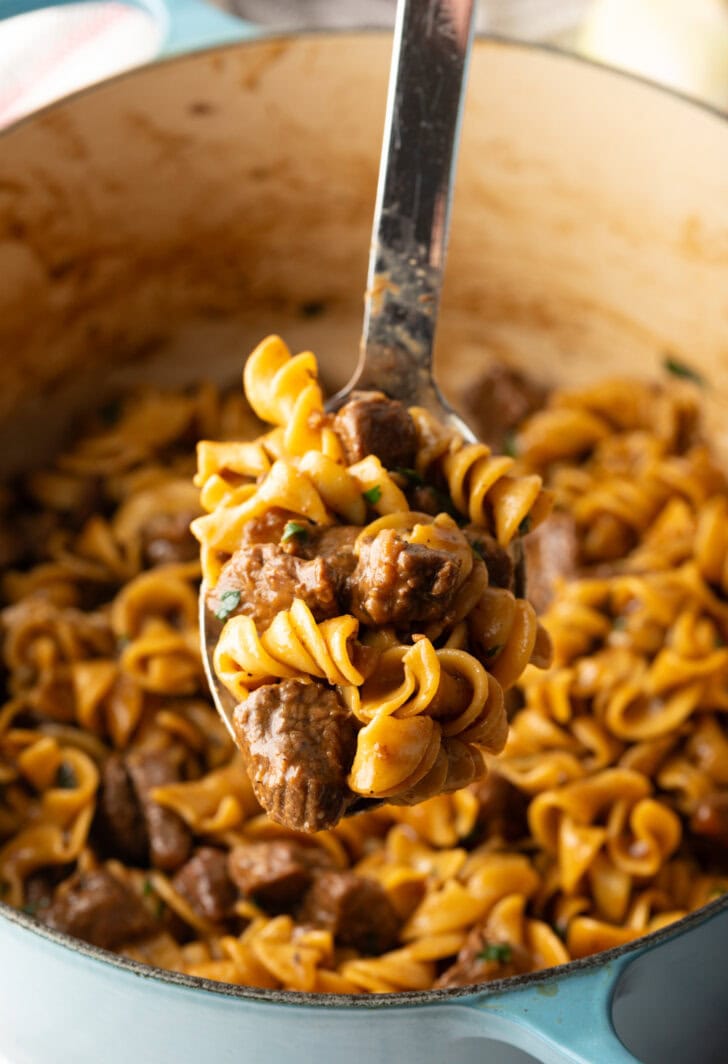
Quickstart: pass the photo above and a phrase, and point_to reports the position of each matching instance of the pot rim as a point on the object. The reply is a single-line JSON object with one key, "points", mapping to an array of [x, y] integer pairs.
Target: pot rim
{"points": [[307, 999], [303, 999]]}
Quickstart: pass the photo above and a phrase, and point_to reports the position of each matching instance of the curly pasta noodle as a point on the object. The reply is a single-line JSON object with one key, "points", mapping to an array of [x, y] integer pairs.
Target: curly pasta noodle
{"points": [[434, 697], [606, 817]]}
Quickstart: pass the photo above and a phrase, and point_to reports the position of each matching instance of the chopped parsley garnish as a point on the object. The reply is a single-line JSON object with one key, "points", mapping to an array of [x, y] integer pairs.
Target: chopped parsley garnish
{"points": [[294, 531], [229, 602], [161, 909], [147, 889], [66, 777], [477, 549], [491, 652], [411, 475], [510, 445], [619, 623], [373, 495], [525, 525], [681, 369], [500, 952]]}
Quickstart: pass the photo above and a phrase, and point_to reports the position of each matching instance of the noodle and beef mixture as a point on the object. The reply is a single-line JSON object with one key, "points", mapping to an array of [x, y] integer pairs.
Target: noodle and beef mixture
{"points": [[127, 819]]}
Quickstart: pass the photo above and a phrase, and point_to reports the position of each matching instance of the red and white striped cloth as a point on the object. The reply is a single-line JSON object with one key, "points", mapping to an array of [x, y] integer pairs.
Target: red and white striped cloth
{"points": [[50, 53]]}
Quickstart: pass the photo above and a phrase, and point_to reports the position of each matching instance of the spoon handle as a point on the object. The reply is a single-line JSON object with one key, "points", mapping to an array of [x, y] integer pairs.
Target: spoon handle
{"points": [[432, 45]]}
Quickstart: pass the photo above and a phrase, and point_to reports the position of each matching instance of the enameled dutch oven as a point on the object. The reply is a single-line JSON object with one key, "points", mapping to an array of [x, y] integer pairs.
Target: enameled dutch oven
{"points": [[157, 226]]}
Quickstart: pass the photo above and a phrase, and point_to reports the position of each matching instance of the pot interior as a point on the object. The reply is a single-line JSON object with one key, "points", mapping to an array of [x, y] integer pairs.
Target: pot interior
{"points": [[162, 223]]}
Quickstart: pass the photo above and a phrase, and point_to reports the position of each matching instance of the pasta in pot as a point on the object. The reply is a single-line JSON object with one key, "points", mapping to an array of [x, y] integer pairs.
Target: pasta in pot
{"points": [[329, 577], [127, 819]]}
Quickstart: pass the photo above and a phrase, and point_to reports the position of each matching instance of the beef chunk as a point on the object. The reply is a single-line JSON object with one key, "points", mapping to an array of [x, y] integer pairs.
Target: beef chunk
{"points": [[497, 403], [170, 840], [276, 873], [551, 552], [481, 960], [98, 908], [166, 539], [497, 560], [298, 742], [268, 527], [370, 423], [402, 583], [203, 881], [355, 909], [269, 579], [40, 887], [503, 808], [120, 828]]}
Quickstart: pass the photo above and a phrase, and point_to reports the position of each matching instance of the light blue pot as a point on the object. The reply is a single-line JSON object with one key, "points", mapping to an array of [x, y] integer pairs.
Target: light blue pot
{"points": [[62, 1002]]}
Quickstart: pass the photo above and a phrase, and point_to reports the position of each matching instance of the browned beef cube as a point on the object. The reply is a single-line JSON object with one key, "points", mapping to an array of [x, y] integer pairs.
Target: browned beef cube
{"points": [[551, 552], [298, 742], [402, 583], [267, 579], [276, 873], [497, 560], [370, 423], [170, 840], [481, 960], [120, 828], [497, 403], [98, 908], [267, 527], [335, 547], [355, 909], [166, 539], [203, 881], [503, 808]]}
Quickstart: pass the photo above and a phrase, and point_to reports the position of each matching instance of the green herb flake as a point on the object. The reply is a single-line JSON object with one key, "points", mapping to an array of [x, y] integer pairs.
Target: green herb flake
{"points": [[229, 602], [161, 909], [66, 777], [500, 952], [525, 525], [294, 531], [494, 651], [147, 889], [477, 549], [510, 445], [373, 495], [681, 369], [619, 624], [411, 475]]}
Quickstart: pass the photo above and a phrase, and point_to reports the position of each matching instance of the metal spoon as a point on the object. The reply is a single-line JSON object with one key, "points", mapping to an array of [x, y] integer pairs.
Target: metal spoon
{"points": [[432, 43]]}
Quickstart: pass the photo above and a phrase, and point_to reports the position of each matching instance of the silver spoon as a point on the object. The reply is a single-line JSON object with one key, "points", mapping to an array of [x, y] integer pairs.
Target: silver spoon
{"points": [[432, 43]]}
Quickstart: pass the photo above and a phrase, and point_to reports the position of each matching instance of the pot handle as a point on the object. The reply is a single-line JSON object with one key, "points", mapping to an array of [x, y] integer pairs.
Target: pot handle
{"points": [[562, 1021], [184, 25]]}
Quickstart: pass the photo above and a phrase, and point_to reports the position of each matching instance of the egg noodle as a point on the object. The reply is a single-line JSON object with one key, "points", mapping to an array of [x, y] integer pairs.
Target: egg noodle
{"points": [[603, 818], [417, 737]]}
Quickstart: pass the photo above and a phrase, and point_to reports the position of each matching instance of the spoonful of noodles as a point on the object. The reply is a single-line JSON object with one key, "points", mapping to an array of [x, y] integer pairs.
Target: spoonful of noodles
{"points": [[361, 612]]}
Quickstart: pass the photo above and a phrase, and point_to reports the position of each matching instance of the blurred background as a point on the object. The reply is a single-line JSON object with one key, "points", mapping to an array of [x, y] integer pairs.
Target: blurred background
{"points": [[680, 43]]}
